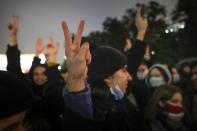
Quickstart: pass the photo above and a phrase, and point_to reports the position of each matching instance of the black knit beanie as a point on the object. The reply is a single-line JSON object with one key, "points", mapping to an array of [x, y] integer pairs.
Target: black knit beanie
{"points": [[105, 62], [15, 94]]}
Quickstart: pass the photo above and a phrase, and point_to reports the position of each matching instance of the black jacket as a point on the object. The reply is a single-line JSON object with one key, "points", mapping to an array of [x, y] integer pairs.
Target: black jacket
{"points": [[114, 115]]}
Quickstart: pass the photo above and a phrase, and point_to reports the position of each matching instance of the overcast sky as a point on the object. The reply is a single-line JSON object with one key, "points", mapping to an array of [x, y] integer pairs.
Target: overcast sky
{"points": [[43, 18]]}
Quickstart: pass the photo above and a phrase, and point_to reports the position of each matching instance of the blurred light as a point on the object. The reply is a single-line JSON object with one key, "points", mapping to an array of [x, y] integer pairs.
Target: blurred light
{"points": [[26, 61], [65, 57], [43, 59], [59, 67], [166, 31], [3, 61], [171, 30], [182, 26], [24, 71], [175, 27], [153, 52]]}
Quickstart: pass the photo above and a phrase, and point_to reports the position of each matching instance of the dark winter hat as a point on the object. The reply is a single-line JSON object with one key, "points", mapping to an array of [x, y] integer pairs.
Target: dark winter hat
{"points": [[105, 62], [15, 95]]}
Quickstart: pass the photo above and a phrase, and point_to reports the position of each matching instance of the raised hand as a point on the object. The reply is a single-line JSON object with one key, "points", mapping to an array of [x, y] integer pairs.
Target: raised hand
{"points": [[128, 45], [39, 47], [52, 48], [141, 24], [78, 58], [13, 25], [147, 56], [13, 28]]}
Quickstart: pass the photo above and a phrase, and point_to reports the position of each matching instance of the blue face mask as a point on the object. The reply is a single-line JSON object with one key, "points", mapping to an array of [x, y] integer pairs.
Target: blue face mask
{"points": [[156, 81], [116, 91], [176, 78]]}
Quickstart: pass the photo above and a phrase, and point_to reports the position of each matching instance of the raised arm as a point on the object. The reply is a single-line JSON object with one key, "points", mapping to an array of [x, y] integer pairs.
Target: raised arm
{"points": [[147, 57], [136, 53], [77, 96], [127, 46], [13, 53], [39, 48], [78, 58], [141, 24], [13, 30], [51, 51]]}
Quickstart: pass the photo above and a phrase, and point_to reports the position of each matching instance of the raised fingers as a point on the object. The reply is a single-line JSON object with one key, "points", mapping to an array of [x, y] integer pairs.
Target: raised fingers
{"points": [[138, 14], [78, 36], [67, 35]]}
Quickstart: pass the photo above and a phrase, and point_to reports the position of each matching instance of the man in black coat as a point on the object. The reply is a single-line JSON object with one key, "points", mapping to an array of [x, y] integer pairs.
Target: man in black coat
{"points": [[101, 105]]}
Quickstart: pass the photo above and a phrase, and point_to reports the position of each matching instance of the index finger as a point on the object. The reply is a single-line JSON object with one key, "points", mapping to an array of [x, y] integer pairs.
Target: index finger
{"points": [[50, 40], [138, 14], [67, 35], [39, 41]]}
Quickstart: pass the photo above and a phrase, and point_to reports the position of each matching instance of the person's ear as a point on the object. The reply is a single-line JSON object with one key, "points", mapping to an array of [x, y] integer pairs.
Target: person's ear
{"points": [[108, 80]]}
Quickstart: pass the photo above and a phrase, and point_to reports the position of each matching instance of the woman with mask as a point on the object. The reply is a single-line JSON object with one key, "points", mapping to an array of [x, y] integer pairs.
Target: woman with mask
{"points": [[175, 76], [142, 71], [165, 110], [158, 75]]}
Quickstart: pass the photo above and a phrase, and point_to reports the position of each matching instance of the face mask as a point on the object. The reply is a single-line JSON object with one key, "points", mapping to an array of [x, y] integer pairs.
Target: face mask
{"points": [[175, 125], [174, 112], [175, 117], [156, 81], [142, 75], [176, 78], [116, 91]]}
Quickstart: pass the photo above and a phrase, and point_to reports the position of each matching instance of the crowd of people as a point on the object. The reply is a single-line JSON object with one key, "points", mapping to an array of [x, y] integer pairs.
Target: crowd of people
{"points": [[100, 88]]}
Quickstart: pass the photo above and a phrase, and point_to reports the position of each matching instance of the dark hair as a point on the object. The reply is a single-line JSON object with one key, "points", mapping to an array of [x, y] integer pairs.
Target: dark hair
{"points": [[163, 93], [39, 65]]}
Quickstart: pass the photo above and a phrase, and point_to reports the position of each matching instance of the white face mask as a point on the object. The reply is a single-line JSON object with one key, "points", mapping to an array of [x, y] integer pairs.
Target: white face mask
{"points": [[176, 117], [142, 75], [174, 121], [156, 81], [117, 92]]}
